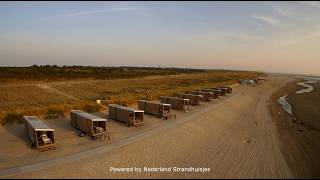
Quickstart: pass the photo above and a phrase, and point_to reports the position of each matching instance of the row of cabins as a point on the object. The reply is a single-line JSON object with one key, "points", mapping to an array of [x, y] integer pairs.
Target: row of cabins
{"points": [[42, 135]]}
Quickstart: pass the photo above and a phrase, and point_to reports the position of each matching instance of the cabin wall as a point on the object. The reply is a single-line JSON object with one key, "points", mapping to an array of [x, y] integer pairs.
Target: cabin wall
{"points": [[151, 108], [175, 103], [81, 123], [124, 115], [193, 100], [112, 113], [120, 114], [205, 95], [30, 132]]}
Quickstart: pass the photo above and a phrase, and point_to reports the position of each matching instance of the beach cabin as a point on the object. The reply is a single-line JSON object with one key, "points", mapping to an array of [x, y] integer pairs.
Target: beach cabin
{"points": [[40, 134], [132, 117], [214, 92], [88, 123], [193, 99], [161, 110], [176, 103], [227, 88], [206, 96]]}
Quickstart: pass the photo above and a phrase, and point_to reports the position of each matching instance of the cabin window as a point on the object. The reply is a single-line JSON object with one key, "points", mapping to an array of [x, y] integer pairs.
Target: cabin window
{"points": [[167, 108], [99, 126], [138, 116], [45, 138]]}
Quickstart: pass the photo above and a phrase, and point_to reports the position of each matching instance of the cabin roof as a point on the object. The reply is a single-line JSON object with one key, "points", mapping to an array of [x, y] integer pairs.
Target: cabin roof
{"points": [[200, 91], [154, 102], [88, 116], [37, 124], [186, 94], [174, 98], [215, 89], [125, 108]]}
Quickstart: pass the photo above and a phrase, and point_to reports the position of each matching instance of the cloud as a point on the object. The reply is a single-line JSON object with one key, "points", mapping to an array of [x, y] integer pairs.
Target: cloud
{"points": [[236, 36], [91, 12], [266, 19], [281, 11], [305, 36], [312, 3], [215, 40]]}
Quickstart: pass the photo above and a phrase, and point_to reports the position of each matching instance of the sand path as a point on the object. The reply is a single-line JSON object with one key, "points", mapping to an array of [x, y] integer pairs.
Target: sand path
{"points": [[235, 139], [49, 88]]}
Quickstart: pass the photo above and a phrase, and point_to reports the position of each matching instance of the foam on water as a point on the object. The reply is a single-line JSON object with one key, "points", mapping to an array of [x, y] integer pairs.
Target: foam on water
{"points": [[285, 105], [308, 88]]}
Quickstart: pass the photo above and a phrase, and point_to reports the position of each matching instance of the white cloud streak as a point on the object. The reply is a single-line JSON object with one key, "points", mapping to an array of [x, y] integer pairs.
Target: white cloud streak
{"points": [[266, 19], [281, 11]]}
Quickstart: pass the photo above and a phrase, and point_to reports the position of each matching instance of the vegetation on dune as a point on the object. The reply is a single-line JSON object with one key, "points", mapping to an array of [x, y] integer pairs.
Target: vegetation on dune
{"points": [[55, 102], [52, 111], [76, 72], [11, 118]]}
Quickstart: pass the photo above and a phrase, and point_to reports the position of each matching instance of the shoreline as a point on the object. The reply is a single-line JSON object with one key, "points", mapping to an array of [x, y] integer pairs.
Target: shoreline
{"points": [[298, 143]]}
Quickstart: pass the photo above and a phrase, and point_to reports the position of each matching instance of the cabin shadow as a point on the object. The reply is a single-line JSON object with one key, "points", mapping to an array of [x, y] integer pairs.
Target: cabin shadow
{"points": [[17, 130], [64, 124], [119, 123]]}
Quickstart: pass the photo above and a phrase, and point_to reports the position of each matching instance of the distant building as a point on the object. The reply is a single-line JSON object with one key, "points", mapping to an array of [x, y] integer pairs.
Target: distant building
{"points": [[248, 82]]}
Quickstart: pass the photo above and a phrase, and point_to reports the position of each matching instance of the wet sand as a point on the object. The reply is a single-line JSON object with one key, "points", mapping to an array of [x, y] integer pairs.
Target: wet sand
{"points": [[235, 139], [299, 137]]}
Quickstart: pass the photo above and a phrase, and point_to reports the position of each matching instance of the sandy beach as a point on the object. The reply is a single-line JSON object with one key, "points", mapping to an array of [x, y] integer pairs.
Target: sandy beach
{"points": [[236, 138]]}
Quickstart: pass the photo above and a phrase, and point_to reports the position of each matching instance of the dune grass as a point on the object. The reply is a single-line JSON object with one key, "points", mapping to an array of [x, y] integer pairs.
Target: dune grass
{"points": [[33, 100]]}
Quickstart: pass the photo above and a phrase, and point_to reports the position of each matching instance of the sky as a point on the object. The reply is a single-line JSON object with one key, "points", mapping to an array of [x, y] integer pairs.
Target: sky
{"points": [[265, 36]]}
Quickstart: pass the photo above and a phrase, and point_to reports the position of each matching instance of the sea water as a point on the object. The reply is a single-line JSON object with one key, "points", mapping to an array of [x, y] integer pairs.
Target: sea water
{"points": [[308, 88]]}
